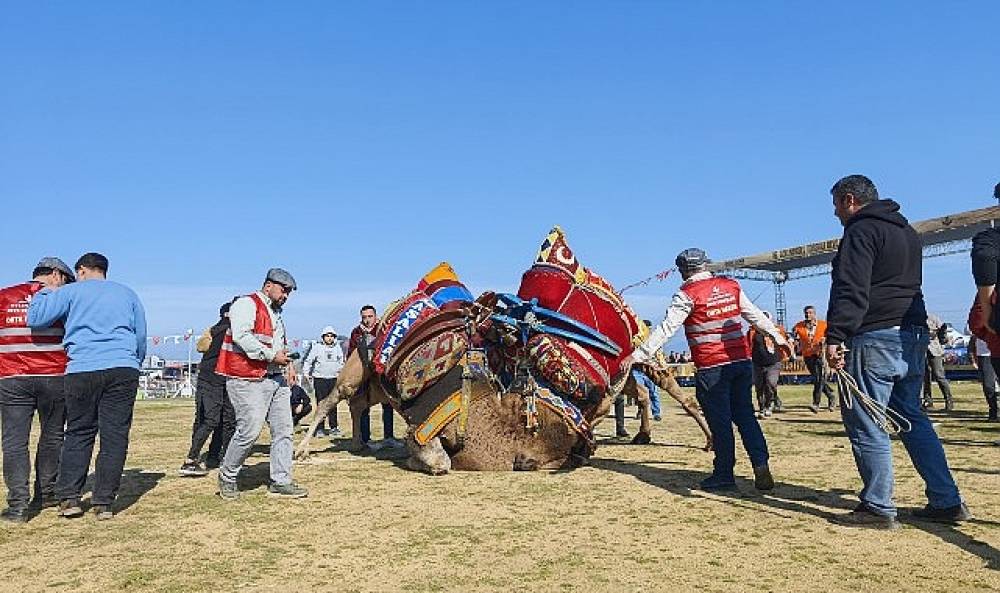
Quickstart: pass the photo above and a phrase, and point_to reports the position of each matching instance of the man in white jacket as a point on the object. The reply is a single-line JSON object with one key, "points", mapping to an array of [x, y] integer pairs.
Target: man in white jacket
{"points": [[322, 365], [711, 310]]}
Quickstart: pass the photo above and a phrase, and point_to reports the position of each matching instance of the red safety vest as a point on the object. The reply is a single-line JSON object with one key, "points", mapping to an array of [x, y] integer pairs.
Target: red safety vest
{"points": [[26, 352], [233, 362], [715, 327]]}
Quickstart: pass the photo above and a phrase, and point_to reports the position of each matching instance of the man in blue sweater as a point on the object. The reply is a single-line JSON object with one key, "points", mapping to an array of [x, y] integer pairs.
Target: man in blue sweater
{"points": [[105, 340]]}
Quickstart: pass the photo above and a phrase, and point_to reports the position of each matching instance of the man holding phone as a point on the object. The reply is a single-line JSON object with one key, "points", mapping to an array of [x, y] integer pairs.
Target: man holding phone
{"points": [[253, 356]]}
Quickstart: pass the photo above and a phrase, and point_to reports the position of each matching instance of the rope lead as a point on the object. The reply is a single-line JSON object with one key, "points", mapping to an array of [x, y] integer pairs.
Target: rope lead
{"points": [[885, 417]]}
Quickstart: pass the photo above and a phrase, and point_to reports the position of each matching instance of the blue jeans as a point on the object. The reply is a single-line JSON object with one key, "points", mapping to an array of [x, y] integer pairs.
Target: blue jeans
{"points": [[724, 393], [654, 395], [888, 365], [366, 426]]}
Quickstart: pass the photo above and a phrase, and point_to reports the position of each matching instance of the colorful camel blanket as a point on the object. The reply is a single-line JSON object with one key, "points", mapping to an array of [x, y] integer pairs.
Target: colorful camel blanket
{"points": [[439, 290], [560, 283]]}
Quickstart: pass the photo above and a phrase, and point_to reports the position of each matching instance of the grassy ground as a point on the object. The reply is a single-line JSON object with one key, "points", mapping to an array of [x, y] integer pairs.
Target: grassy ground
{"points": [[629, 522]]}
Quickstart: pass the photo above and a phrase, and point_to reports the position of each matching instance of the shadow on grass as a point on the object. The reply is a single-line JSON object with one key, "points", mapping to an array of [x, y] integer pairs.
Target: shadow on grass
{"points": [[134, 485], [789, 498]]}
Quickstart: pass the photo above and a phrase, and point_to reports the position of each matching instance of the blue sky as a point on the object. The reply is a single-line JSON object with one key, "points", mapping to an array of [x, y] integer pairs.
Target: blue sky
{"points": [[358, 144]]}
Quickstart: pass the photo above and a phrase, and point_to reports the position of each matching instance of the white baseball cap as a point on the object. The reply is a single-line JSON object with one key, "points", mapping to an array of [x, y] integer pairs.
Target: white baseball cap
{"points": [[328, 330]]}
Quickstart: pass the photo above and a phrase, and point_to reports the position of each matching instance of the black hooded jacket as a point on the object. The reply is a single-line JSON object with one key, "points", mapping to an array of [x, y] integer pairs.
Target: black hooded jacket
{"points": [[877, 274]]}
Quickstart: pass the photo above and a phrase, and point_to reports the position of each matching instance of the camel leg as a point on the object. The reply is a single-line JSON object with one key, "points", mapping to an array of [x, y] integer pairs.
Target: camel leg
{"points": [[666, 381], [350, 378], [430, 458]]}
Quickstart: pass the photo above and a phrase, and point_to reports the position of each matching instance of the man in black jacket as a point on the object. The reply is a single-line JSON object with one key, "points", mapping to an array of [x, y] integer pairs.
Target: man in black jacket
{"points": [[877, 311], [214, 413]]}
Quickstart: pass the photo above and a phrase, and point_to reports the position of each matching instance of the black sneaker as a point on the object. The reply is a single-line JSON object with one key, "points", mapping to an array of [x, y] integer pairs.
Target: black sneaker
{"points": [[70, 508], [955, 514], [102, 512], [14, 515], [715, 483], [193, 469], [291, 490], [862, 516], [762, 478], [212, 463]]}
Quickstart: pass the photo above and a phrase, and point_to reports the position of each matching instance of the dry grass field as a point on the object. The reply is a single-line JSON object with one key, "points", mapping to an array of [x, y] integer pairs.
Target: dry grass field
{"points": [[629, 522]]}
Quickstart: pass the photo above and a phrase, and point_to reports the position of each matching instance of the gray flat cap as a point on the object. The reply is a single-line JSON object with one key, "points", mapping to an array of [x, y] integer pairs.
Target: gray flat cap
{"points": [[54, 263], [281, 277]]}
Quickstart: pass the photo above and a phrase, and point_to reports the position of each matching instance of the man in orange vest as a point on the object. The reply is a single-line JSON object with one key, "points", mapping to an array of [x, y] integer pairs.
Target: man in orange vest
{"points": [[253, 357], [810, 334], [32, 365], [712, 309]]}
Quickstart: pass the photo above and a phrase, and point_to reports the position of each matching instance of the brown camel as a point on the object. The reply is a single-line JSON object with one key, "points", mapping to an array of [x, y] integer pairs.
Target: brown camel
{"points": [[664, 379], [495, 438]]}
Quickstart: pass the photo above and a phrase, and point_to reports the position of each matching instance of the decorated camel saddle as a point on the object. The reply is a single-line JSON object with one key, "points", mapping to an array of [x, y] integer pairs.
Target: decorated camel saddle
{"points": [[570, 330], [423, 351], [575, 328]]}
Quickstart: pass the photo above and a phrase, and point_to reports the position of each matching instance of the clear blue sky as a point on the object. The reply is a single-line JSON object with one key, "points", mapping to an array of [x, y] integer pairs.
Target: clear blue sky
{"points": [[358, 144]]}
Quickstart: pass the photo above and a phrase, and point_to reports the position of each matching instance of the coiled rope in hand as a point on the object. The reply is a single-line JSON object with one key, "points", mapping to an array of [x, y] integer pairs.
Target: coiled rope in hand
{"points": [[885, 417]]}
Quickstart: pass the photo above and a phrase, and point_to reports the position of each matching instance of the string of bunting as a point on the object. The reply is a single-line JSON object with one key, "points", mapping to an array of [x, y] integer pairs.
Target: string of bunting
{"points": [[659, 277], [178, 338]]}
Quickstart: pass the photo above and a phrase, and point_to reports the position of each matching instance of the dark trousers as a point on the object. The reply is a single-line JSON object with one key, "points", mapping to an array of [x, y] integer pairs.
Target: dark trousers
{"points": [[20, 397], [724, 393], [988, 375], [305, 411], [323, 388], [620, 415], [935, 371], [97, 402], [213, 415], [366, 423], [815, 366], [765, 381]]}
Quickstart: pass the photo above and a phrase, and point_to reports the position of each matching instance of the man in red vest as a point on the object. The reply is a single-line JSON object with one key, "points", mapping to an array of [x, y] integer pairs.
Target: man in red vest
{"points": [[253, 357], [32, 365], [711, 310]]}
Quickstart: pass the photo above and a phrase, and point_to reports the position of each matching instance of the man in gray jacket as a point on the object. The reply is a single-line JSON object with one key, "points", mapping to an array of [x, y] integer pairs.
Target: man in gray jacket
{"points": [[935, 364], [322, 365]]}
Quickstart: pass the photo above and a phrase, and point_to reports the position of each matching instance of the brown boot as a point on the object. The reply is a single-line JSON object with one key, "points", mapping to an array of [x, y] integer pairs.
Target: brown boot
{"points": [[762, 479]]}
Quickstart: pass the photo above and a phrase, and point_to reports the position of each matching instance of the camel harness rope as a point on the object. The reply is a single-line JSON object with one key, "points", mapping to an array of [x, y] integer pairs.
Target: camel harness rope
{"points": [[885, 417]]}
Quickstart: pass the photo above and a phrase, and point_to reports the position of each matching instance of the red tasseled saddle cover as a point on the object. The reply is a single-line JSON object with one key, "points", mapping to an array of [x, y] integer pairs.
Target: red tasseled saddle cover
{"points": [[562, 284]]}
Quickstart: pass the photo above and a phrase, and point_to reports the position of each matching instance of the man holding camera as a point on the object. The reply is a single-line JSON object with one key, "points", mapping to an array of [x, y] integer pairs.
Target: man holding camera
{"points": [[253, 356]]}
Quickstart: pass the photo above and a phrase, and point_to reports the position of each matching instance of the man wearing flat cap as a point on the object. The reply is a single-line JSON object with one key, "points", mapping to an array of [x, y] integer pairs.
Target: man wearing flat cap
{"points": [[32, 365], [253, 356]]}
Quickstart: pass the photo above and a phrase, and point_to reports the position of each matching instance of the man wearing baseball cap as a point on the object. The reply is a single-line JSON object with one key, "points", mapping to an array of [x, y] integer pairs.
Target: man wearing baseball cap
{"points": [[105, 341], [322, 364], [253, 357], [32, 365], [711, 309]]}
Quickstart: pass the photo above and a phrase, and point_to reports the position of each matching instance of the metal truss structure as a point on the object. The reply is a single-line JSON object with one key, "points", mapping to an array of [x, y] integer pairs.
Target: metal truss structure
{"points": [[946, 235]]}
